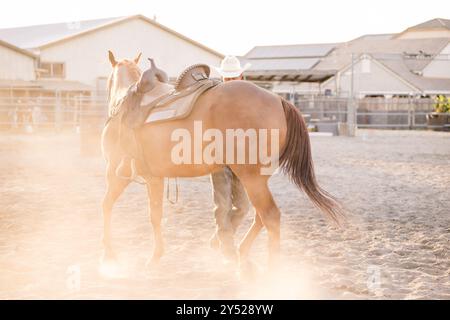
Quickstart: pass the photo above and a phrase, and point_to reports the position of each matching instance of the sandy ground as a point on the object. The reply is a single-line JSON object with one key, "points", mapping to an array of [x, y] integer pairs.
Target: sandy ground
{"points": [[395, 183]]}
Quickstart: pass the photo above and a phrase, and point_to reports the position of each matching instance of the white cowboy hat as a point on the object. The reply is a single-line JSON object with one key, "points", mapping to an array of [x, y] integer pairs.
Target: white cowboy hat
{"points": [[231, 67]]}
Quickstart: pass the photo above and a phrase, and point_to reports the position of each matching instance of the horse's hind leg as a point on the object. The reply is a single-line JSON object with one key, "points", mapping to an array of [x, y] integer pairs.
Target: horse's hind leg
{"points": [[250, 236], [115, 187], [268, 216], [155, 189]]}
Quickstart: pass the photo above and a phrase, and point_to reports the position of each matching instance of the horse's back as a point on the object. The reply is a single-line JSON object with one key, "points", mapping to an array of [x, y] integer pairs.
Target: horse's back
{"points": [[241, 104], [231, 105]]}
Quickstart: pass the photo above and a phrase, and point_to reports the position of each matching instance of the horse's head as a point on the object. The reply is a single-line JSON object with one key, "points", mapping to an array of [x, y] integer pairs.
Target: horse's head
{"points": [[124, 73]]}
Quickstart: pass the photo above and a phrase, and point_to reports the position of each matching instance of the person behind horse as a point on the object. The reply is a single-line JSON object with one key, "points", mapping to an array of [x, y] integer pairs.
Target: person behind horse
{"points": [[230, 198]]}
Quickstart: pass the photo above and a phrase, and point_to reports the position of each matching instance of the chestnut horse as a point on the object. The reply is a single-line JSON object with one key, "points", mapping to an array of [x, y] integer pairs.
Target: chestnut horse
{"points": [[230, 105]]}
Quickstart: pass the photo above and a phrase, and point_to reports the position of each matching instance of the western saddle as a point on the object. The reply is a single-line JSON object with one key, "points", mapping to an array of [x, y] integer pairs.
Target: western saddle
{"points": [[176, 104], [191, 75]]}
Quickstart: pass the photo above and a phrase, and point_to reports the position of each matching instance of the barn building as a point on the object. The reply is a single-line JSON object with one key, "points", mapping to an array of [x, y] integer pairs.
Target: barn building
{"points": [[59, 71], [415, 62], [73, 56]]}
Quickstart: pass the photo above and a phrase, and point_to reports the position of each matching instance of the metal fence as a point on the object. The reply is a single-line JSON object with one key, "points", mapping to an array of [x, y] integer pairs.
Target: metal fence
{"points": [[90, 112], [47, 113], [406, 113]]}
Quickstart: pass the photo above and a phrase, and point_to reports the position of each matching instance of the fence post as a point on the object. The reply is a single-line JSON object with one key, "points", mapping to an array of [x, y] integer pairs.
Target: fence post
{"points": [[58, 111], [413, 111], [351, 117], [409, 120], [351, 110], [409, 112]]}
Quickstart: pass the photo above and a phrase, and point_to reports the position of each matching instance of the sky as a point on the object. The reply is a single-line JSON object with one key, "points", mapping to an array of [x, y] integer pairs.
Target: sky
{"points": [[234, 27]]}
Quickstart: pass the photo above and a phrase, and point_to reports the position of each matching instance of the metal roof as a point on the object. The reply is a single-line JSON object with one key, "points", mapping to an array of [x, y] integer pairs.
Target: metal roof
{"points": [[289, 75], [292, 63], [282, 64], [17, 84], [393, 49], [383, 36], [63, 85], [51, 85], [424, 84], [39, 35], [17, 49], [437, 23], [290, 51]]}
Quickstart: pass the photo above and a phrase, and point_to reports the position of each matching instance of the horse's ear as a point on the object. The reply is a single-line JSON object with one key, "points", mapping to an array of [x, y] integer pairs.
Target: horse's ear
{"points": [[136, 60], [112, 59]]}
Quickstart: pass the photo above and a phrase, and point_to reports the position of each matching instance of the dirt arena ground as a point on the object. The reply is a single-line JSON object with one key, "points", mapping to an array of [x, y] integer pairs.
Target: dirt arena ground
{"points": [[395, 183]]}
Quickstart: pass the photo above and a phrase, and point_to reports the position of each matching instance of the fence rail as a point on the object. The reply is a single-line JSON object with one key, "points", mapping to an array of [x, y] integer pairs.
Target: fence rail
{"points": [[51, 112], [402, 113], [75, 112]]}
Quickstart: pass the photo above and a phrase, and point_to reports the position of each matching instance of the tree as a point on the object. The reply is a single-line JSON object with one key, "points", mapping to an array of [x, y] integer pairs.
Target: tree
{"points": [[442, 104]]}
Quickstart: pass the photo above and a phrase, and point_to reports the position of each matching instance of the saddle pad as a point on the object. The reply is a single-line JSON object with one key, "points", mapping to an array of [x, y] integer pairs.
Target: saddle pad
{"points": [[179, 104]]}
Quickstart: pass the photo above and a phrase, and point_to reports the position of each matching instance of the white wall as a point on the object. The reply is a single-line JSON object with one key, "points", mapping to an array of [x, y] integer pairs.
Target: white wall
{"points": [[86, 56], [439, 68], [373, 80], [15, 65]]}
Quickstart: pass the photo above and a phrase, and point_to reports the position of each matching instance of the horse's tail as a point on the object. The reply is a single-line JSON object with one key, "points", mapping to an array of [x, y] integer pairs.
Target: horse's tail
{"points": [[296, 162]]}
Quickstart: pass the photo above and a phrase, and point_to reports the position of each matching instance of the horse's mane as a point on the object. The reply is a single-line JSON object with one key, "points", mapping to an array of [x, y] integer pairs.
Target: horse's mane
{"points": [[133, 71]]}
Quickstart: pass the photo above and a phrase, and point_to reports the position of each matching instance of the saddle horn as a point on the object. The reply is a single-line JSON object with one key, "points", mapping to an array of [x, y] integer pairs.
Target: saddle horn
{"points": [[159, 74]]}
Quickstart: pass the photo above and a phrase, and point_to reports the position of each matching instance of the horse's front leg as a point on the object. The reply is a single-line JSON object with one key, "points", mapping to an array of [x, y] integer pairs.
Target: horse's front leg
{"points": [[155, 189], [115, 187]]}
